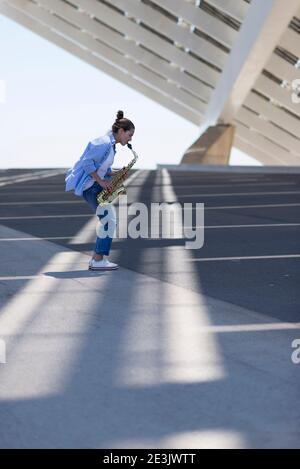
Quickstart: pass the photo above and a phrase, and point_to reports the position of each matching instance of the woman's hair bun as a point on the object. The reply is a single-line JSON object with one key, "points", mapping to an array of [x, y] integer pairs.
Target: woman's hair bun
{"points": [[121, 123]]}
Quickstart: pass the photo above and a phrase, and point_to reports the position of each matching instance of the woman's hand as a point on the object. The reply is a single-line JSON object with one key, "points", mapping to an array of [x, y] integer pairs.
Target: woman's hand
{"points": [[102, 182], [106, 185]]}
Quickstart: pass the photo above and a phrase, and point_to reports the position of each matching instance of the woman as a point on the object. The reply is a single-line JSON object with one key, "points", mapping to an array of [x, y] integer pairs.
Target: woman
{"points": [[91, 174]]}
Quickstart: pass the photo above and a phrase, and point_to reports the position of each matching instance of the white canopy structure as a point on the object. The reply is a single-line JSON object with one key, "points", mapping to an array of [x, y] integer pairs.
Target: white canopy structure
{"points": [[234, 62]]}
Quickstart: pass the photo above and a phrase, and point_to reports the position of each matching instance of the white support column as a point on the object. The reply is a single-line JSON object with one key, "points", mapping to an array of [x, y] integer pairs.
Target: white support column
{"points": [[263, 26]]}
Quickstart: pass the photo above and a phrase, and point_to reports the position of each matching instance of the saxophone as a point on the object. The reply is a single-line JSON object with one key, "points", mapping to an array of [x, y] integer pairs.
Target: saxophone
{"points": [[105, 197]]}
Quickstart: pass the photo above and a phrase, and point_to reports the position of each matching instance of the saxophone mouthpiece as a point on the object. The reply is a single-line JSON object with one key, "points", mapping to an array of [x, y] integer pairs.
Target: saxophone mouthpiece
{"points": [[129, 146]]}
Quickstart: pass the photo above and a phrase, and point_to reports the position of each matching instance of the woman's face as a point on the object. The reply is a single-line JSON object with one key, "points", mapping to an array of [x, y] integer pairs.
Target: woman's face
{"points": [[125, 136]]}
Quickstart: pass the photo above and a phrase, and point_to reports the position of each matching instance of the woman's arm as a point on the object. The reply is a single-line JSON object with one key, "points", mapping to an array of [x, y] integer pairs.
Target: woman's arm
{"points": [[101, 182], [94, 157]]}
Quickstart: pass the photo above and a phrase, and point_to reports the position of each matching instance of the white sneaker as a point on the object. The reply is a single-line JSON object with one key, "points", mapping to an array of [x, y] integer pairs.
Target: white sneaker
{"points": [[102, 265]]}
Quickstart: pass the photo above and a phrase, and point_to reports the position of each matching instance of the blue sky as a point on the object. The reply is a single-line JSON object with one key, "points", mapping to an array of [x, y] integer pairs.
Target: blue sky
{"points": [[55, 103]]}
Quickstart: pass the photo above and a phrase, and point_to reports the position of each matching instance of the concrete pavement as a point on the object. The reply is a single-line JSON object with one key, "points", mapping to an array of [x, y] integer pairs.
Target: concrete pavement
{"points": [[173, 350]]}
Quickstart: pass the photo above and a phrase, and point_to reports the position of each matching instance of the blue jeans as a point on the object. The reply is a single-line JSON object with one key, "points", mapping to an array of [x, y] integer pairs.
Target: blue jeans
{"points": [[103, 244]]}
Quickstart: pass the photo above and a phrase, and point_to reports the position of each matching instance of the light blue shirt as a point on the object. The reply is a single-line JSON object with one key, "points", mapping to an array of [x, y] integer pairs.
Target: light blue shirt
{"points": [[95, 154]]}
